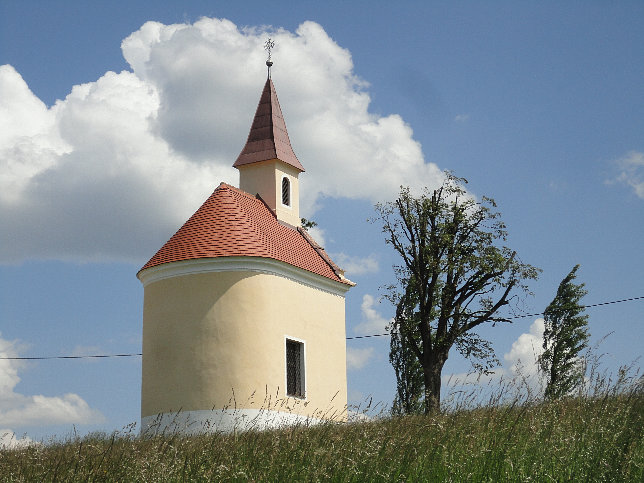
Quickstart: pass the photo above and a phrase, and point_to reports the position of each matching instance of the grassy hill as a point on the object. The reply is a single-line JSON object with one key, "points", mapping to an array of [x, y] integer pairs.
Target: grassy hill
{"points": [[586, 438]]}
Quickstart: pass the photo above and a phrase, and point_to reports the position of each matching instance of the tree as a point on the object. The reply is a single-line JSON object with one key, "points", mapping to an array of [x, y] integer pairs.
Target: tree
{"points": [[306, 224], [564, 337], [453, 276], [409, 373]]}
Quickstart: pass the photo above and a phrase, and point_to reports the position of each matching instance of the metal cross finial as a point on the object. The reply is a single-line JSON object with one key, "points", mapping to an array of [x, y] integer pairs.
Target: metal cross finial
{"points": [[268, 45]]}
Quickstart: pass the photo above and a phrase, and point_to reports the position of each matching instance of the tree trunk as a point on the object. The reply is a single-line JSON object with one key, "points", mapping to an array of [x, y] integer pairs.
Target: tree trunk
{"points": [[432, 375]]}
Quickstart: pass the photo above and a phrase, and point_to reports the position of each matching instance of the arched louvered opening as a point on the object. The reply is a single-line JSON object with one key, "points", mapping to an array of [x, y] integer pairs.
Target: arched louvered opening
{"points": [[286, 191]]}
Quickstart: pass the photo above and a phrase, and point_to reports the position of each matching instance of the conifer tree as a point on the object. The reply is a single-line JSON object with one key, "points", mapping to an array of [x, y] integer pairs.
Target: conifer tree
{"points": [[410, 386], [565, 336]]}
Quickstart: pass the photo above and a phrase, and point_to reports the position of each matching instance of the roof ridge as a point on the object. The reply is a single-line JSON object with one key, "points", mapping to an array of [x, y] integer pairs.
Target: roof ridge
{"points": [[258, 228], [324, 255], [234, 188]]}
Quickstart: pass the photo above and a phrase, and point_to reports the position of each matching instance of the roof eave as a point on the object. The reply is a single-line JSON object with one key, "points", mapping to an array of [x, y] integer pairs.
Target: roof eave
{"points": [[243, 263]]}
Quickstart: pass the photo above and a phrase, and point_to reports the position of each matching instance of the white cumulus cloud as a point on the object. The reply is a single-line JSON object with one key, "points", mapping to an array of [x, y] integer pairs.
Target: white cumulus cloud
{"points": [[372, 321], [631, 168], [318, 235], [522, 360], [9, 440], [19, 410], [358, 358], [353, 265], [109, 172], [520, 363]]}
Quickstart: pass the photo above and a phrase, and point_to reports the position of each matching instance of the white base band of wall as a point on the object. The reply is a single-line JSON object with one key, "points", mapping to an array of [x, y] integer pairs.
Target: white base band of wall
{"points": [[222, 421]]}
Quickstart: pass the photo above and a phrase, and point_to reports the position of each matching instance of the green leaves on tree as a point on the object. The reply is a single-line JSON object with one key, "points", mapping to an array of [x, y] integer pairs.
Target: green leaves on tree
{"points": [[564, 337], [455, 274]]}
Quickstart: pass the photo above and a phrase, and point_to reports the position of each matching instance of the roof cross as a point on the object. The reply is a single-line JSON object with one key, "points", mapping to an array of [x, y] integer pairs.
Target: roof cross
{"points": [[268, 45]]}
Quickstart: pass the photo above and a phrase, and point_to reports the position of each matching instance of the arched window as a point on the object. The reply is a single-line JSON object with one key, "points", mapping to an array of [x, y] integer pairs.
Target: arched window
{"points": [[286, 191]]}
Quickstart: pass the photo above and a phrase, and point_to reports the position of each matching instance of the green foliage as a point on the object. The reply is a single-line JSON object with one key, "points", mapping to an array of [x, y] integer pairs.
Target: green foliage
{"points": [[455, 275], [575, 439], [564, 337], [409, 372], [306, 224]]}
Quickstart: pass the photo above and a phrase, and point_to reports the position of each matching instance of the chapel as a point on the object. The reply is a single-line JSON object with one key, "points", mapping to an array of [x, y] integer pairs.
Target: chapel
{"points": [[244, 313]]}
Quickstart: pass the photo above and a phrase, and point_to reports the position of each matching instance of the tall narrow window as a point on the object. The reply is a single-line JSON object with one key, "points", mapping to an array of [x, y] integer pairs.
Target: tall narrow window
{"points": [[294, 368], [286, 191]]}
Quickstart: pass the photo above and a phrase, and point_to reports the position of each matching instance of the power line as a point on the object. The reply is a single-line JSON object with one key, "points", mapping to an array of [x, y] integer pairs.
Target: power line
{"points": [[104, 356], [367, 336], [519, 316], [100, 356]]}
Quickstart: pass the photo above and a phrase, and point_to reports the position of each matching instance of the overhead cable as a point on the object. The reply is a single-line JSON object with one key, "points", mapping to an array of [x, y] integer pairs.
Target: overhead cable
{"points": [[100, 356], [517, 316], [103, 356]]}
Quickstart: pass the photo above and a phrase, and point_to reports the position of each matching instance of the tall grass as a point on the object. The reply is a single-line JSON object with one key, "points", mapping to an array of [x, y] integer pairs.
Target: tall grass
{"points": [[594, 436]]}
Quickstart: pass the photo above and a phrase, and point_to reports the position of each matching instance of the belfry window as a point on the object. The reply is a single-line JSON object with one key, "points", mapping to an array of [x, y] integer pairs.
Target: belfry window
{"points": [[294, 368], [286, 191]]}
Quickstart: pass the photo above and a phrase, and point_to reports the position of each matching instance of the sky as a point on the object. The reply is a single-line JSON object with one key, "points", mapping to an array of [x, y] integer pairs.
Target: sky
{"points": [[118, 119]]}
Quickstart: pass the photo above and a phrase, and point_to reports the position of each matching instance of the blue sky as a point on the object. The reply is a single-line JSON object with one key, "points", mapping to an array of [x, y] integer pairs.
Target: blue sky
{"points": [[107, 145]]}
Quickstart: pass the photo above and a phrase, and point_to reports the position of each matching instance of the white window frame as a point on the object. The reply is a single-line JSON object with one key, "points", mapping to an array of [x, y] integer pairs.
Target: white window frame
{"points": [[302, 367]]}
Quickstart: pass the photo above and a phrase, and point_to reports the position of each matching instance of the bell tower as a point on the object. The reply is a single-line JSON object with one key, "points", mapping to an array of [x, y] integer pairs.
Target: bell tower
{"points": [[267, 165]]}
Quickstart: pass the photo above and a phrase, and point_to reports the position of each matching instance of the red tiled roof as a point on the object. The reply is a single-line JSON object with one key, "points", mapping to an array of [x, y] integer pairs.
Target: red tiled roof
{"points": [[232, 223], [268, 138]]}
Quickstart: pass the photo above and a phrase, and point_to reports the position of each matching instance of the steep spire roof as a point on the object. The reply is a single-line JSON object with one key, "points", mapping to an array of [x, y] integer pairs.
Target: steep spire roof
{"points": [[232, 223], [268, 138]]}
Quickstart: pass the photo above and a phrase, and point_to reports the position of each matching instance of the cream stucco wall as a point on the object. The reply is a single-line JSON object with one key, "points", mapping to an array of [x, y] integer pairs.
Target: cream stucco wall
{"points": [[265, 178], [211, 333]]}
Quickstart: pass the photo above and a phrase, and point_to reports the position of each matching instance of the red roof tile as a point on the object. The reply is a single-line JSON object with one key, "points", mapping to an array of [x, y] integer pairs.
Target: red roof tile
{"points": [[268, 138], [232, 223]]}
